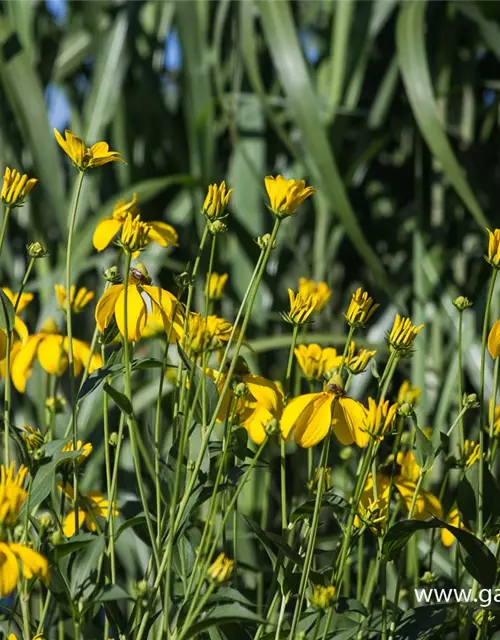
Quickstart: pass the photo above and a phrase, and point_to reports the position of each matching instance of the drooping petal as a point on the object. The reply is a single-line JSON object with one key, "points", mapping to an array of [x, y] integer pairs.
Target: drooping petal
{"points": [[255, 423], [170, 310], [34, 565], [9, 570], [105, 308], [294, 410], [52, 355], [82, 355], [313, 428], [426, 504], [69, 522], [349, 418], [136, 313], [265, 392], [22, 362], [105, 231], [164, 234], [494, 340], [21, 329]]}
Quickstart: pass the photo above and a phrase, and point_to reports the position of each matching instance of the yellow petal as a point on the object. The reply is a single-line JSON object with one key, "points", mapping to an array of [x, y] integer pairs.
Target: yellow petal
{"points": [[105, 308], [22, 362], [9, 570], [294, 410], [494, 340], [21, 329], [136, 313], [313, 428], [34, 565], [350, 416], [52, 355], [105, 231], [256, 422], [81, 352], [166, 305], [69, 522], [265, 392], [426, 504], [163, 234]]}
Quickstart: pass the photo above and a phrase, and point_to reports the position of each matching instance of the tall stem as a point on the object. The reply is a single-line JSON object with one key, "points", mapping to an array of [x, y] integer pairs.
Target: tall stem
{"points": [[3, 231], [69, 329], [460, 376]]}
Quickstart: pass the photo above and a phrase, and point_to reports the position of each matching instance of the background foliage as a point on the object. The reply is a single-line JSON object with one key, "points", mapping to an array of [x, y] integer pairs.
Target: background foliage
{"points": [[389, 109]]}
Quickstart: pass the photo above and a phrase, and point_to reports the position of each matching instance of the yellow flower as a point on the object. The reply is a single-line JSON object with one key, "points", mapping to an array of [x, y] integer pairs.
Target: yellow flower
{"points": [[453, 518], [405, 482], [301, 307], [221, 570], [84, 157], [216, 201], [39, 636], [372, 513], [86, 449], [12, 493], [357, 362], [15, 187], [408, 394], [360, 309], [32, 437], [135, 235], [19, 327], [494, 340], [216, 284], [323, 597], [285, 196], [91, 505], [77, 299], [494, 248], [379, 418], [315, 362], [403, 334], [161, 302], [159, 232], [51, 349], [321, 289], [206, 333], [33, 565], [470, 453], [311, 416]]}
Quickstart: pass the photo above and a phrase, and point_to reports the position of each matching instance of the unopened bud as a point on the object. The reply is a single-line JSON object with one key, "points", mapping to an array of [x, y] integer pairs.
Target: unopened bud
{"points": [[462, 303], [45, 521], [36, 250], [272, 428], [470, 401], [112, 275], [240, 389], [264, 240], [406, 410], [55, 404], [38, 455], [217, 226], [113, 439], [346, 453], [428, 578], [221, 570], [142, 588], [18, 531], [57, 537]]}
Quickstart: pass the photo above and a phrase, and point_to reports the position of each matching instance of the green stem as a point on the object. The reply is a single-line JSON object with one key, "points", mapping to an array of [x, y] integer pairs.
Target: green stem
{"points": [[69, 329], [312, 535], [131, 421], [3, 231], [109, 483], [480, 515], [460, 377]]}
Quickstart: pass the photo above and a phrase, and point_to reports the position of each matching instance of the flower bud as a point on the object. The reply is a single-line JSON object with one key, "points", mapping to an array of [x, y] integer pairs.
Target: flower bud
{"points": [[323, 597], [142, 588], [45, 521], [36, 250], [428, 578], [272, 428], [264, 240], [57, 537], [346, 453], [112, 275], [406, 410], [240, 389], [217, 226], [462, 303], [55, 404], [113, 439], [221, 570], [470, 401]]}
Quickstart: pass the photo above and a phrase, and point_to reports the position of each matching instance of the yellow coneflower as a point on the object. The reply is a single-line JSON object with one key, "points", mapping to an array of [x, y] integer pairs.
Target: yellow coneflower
{"points": [[91, 505], [84, 157], [301, 307], [360, 309], [86, 449], [493, 256], [494, 340], [12, 493], [470, 453], [379, 418], [403, 334], [315, 362], [206, 333], [78, 298], [15, 187], [215, 285], [408, 394], [285, 196], [216, 201], [221, 569], [32, 565], [357, 362], [320, 289], [323, 598]]}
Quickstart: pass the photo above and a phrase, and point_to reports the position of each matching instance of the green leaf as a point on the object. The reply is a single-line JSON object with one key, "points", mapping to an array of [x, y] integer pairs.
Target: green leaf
{"points": [[136, 521], [97, 378], [120, 399], [75, 544], [111, 592], [6, 313], [224, 614], [477, 558], [424, 451], [84, 569], [306, 510], [411, 46]]}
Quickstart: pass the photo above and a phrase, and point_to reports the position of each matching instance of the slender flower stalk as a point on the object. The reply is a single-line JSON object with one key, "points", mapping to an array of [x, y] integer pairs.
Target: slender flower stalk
{"points": [[3, 231]]}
